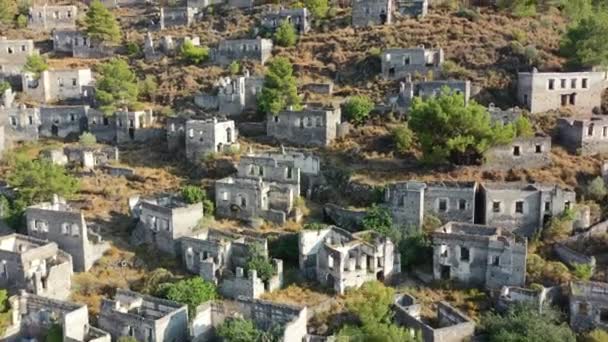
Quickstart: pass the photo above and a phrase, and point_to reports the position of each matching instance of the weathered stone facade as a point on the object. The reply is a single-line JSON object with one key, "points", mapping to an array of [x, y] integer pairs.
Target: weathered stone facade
{"points": [[206, 136], [171, 17], [523, 208], [426, 89], [32, 316], [234, 95], [298, 17], [505, 116], [479, 255], [14, 54], [131, 126], [166, 46], [521, 153], [451, 324], [413, 8], [341, 260], [56, 221], [588, 303], [449, 201], [397, 63], [85, 157], [61, 121], [143, 317], [57, 85], [307, 127], [228, 51], [34, 265], [263, 188], [372, 12], [46, 18], [221, 258], [583, 135], [544, 91], [79, 45], [163, 220]]}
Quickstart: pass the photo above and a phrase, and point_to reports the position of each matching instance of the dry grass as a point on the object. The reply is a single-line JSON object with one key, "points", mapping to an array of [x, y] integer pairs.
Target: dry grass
{"points": [[301, 294]]}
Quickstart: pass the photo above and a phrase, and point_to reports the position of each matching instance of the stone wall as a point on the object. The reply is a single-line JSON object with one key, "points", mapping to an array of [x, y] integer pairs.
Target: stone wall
{"points": [[522, 153], [47, 18], [571, 257], [345, 218], [14, 54], [397, 63], [307, 127], [584, 136], [258, 50], [372, 12]]}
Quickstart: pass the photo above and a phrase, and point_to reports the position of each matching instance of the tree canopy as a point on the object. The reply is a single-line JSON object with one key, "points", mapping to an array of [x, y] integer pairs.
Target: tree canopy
{"points": [[258, 260], [357, 109], [194, 54], [192, 292], [285, 34], [117, 86], [8, 11], [449, 129], [526, 323], [238, 330], [280, 89], [100, 23], [318, 8], [585, 43], [35, 64]]}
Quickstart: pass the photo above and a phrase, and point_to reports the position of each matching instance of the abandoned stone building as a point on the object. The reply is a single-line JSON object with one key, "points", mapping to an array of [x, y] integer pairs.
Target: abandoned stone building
{"points": [[514, 295], [588, 304], [14, 54], [34, 265], [85, 157], [425, 89], [230, 50], [505, 116], [448, 201], [222, 257], [544, 91], [583, 134], [119, 3], [340, 260], [521, 153], [450, 324], [57, 85], [298, 17], [413, 8], [77, 44], [171, 17], [32, 316], [47, 18], [129, 126], [234, 95], [58, 222], [62, 121], [166, 46], [291, 320], [263, 188], [163, 219], [311, 126], [21, 123], [522, 207], [143, 317], [479, 255], [397, 63], [208, 136], [372, 12]]}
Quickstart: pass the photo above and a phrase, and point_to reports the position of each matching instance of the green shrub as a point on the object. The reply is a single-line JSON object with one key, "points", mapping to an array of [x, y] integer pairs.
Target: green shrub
{"points": [[596, 189], [285, 34], [35, 64], [583, 271], [357, 109], [4, 86], [87, 139], [318, 8], [148, 87], [468, 13], [523, 127], [192, 292], [238, 330], [597, 335], [403, 138], [234, 67], [194, 54], [133, 49], [192, 194], [259, 262], [280, 90]]}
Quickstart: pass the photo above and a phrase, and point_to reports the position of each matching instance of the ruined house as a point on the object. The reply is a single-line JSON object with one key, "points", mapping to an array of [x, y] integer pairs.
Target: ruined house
{"points": [[166, 46], [208, 136], [143, 317], [86, 157], [163, 220], [21, 122], [340, 260], [34, 265], [14, 54], [298, 17], [544, 91], [588, 305], [58, 222], [290, 320], [171, 17], [450, 324], [235, 94], [47, 18], [426, 89], [521, 153], [32, 316], [514, 295], [521, 207], [585, 134], [263, 188], [221, 258], [57, 85], [372, 12], [311, 126], [131, 126], [397, 63], [62, 121], [413, 8], [505, 116], [448, 201], [479, 255], [77, 44], [230, 50]]}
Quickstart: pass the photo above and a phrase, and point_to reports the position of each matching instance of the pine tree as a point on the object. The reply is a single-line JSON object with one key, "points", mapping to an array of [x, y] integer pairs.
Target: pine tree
{"points": [[280, 88], [8, 11], [117, 85], [101, 24]]}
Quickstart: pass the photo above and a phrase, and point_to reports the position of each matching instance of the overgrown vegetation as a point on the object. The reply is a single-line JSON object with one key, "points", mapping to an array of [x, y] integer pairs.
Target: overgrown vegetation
{"points": [[585, 43], [100, 23], [357, 109], [194, 54], [35, 64], [259, 262], [286, 34], [195, 194], [192, 292], [545, 272], [5, 314], [243, 330], [8, 11], [280, 89], [403, 138], [87, 139], [116, 86]]}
